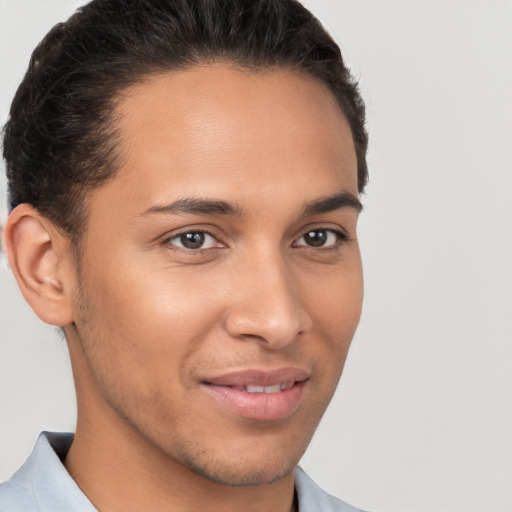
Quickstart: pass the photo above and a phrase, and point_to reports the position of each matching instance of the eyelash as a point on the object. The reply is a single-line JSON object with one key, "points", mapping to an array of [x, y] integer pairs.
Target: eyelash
{"points": [[340, 238], [168, 241]]}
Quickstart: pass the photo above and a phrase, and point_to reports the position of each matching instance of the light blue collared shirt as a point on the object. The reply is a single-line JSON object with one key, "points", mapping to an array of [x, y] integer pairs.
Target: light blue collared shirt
{"points": [[42, 484]]}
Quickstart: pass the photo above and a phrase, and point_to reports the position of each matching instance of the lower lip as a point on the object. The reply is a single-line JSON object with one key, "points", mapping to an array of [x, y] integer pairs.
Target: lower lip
{"points": [[258, 406]]}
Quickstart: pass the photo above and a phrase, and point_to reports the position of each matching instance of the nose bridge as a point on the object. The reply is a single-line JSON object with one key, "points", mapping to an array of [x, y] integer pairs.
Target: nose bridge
{"points": [[267, 304]]}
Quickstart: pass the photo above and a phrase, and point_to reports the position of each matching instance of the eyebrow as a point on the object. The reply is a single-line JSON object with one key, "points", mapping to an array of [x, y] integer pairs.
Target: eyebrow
{"points": [[331, 203], [194, 206]]}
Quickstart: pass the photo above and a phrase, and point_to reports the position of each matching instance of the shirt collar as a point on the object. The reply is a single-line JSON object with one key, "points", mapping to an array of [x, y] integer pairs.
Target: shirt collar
{"points": [[55, 491], [53, 488]]}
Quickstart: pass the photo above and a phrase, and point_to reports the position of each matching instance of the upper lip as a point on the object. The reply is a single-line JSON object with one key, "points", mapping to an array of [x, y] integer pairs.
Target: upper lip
{"points": [[259, 377]]}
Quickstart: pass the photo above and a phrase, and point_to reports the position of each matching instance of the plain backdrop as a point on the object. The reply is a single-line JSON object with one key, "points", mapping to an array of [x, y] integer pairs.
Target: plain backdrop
{"points": [[422, 420]]}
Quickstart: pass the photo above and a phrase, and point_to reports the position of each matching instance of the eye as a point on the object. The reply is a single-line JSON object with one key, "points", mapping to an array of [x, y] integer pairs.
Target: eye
{"points": [[320, 238], [193, 240]]}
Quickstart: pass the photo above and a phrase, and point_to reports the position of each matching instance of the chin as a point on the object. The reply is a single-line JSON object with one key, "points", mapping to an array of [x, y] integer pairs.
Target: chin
{"points": [[241, 469], [242, 477]]}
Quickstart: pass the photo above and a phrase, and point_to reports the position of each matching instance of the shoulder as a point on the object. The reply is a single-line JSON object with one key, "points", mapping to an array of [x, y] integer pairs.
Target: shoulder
{"points": [[42, 484], [17, 496], [314, 499]]}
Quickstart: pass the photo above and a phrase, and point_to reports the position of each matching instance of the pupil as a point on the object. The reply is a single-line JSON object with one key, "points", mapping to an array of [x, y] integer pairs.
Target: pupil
{"points": [[192, 240], [316, 238]]}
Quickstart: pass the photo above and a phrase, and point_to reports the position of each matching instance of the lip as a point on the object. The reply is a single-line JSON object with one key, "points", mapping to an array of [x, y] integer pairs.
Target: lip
{"points": [[258, 377], [226, 390]]}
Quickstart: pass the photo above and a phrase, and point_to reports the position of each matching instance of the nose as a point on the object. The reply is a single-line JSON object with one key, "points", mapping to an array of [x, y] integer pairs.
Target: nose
{"points": [[266, 304]]}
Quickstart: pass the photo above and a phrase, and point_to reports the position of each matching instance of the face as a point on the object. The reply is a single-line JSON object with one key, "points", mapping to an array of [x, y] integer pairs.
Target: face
{"points": [[220, 280]]}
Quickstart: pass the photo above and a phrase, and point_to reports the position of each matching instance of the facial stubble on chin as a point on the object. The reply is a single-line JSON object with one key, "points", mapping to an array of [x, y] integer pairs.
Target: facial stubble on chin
{"points": [[229, 476]]}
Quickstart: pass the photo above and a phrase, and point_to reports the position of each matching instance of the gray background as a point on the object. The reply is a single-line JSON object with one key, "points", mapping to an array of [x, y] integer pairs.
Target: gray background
{"points": [[423, 417]]}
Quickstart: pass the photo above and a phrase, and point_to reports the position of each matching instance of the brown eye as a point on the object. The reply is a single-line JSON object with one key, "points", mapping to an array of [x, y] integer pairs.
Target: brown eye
{"points": [[193, 240], [316, 238], [319, 238]]}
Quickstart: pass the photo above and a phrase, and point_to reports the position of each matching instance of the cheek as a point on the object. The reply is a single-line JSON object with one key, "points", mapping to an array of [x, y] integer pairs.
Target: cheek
{"points": [[335, 304], [144, 325], [152, 301], [335, 300]]}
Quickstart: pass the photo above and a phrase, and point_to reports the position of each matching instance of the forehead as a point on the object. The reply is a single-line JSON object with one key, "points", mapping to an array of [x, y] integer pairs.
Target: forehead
{"points": [[215, 130]]}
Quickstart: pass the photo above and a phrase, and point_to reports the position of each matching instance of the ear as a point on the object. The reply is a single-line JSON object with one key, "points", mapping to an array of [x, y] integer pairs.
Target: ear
{"points": [[41, 259]]}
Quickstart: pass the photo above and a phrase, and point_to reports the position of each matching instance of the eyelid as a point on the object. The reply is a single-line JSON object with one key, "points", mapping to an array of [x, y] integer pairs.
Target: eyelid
{"points": [[340, 234], [167, 239]]}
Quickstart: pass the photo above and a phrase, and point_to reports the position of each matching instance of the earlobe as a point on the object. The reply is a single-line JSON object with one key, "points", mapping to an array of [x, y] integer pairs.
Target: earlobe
{"points": [[39, 257]]}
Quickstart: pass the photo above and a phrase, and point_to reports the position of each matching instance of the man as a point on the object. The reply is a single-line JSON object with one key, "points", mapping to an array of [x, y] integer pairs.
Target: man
{"points": [[184, 180]]}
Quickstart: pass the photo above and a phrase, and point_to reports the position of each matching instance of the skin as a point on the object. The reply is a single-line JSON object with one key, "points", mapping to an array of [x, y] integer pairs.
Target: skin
{"points": [[148, 320]]}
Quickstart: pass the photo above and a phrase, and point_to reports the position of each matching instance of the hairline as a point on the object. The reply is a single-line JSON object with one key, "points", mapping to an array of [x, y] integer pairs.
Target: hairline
{"points": [[114, 136]]}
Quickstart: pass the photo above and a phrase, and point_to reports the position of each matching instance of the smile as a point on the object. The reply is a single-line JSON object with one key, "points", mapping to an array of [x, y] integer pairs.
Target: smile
{"points": [[259, 395], [265, 389]]}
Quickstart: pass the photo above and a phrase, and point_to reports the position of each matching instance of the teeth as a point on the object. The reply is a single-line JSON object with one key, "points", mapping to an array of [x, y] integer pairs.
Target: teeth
{"points": [[255, 389], [273, 389], [269, 389]]}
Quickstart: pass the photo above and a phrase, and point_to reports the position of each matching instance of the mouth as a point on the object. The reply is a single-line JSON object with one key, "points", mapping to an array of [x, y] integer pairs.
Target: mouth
{"points": [[258, 394], [275, 388]]}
